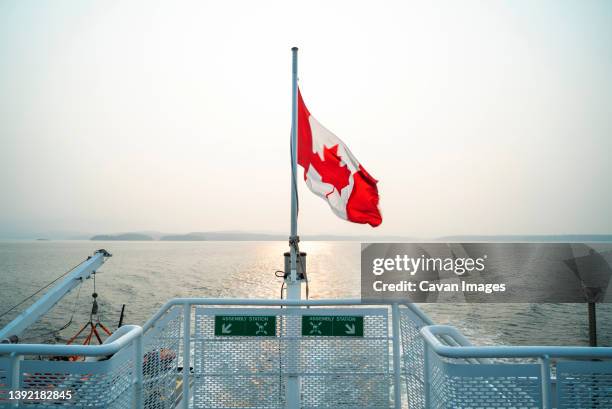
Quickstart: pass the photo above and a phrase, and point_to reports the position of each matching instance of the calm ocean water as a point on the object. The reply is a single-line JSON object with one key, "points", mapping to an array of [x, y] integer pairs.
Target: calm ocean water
{"points": [[143, 275]]}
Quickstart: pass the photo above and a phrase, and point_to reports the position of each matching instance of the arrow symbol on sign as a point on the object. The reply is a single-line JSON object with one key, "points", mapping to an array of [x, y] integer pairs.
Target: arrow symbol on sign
{"points": [[225, 329], [350, 329], [316, 328]]}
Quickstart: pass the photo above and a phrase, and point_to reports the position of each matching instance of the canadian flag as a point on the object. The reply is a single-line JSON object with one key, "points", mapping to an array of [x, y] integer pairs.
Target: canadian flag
{"points": [[332, 172]]}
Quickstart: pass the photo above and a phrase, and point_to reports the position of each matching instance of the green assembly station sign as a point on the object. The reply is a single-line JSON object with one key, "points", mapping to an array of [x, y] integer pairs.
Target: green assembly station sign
{"points": [[332, 325], [245, 325]]}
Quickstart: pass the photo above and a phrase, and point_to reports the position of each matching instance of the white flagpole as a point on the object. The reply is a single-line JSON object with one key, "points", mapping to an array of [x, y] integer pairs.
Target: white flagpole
{"points": [[293, 282], [294, 287]]}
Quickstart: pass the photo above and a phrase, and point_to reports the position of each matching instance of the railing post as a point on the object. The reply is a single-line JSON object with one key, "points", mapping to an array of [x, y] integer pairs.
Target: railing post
{"points": [[14, 375], [397, 386], [426, 383], [293, 385], [546, 387], [186, 352], [138, 371]]}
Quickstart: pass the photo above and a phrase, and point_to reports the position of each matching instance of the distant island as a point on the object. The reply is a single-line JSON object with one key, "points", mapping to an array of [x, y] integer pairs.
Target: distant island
{"points": [[254, 236], [544, 238], [123, 237], [239, 236], [223, 236]]}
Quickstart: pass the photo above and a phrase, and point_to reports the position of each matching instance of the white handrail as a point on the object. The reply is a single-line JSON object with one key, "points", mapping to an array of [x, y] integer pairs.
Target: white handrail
{"points": [[274, 302], [111, 348], [187, 303], [132, 337], [430, 335]]}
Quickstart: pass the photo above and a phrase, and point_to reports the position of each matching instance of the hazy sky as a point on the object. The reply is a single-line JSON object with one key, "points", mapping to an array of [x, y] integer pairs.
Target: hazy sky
{"points": [[489, 117]]}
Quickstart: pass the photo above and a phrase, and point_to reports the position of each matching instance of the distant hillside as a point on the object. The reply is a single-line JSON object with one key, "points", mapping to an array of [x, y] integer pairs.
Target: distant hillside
{"points": [[558, 238], [242, 236], [245, 236], [223, 236], [254, 236], [123, 237]]}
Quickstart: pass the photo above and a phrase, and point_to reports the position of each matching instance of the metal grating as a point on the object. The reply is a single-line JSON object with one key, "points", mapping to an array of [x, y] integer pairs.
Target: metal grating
{"points": [[584, 385], [97, 384], [349, 391], [457, 385], [251, 372], [413, 362], [4, 379], [160, 361], [238, 391], [334, 371]]}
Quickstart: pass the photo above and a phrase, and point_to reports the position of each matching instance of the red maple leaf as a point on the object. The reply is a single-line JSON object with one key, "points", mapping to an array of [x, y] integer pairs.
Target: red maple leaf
{"points": [[330, 169]]}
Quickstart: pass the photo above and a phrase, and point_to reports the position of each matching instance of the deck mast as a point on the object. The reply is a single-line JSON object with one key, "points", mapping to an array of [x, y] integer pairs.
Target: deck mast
{"points": [[293, 279]]}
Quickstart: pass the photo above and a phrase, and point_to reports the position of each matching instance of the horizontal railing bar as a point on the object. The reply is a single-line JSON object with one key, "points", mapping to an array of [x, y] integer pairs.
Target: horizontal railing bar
{"points": [[276, 339], [81, 350], [429, 335], [276, 373], [273, 303]]}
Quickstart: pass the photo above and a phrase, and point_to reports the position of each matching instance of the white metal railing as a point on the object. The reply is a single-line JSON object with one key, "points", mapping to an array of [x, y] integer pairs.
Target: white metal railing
{"points": [[465, 349], [59, 374], [432, 366], [187, 337], [593, 363]]}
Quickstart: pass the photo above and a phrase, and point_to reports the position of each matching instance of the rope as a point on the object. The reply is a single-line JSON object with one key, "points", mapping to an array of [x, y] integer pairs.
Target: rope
{"points": [[74, 307], [294, 242], [54, 332], [38, 291], [294, 175]]}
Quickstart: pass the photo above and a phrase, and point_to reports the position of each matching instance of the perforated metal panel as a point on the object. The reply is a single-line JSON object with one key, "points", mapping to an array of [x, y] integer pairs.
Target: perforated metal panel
{"points": [[334, 371], [251, 372], [458, 385], [584, 384], [413, 358], [4, 380], [99, 384], [160, 361]]}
